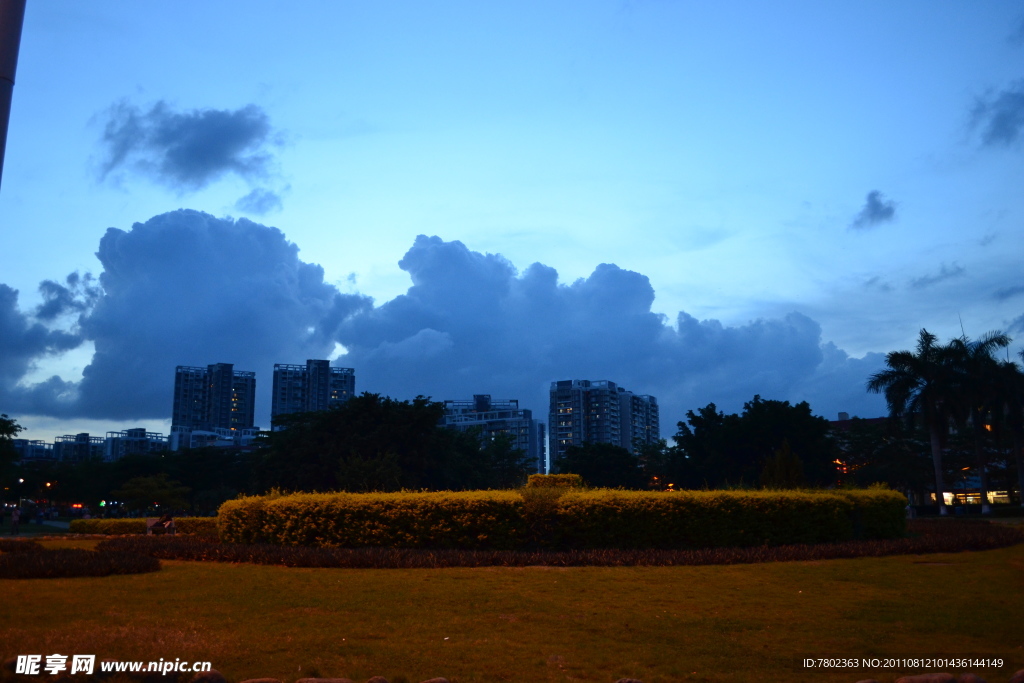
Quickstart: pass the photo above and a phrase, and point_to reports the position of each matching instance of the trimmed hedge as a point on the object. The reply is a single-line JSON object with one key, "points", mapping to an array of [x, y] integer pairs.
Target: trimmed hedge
{"points": [[116, 527], [601, 518], [19, 546], [71, 562], [714, 519], [554, 481], [877, 512], [473, 519], [926, 536]]}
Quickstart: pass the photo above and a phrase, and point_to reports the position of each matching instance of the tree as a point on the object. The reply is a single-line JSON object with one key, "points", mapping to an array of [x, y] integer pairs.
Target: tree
{"points": [[142, 492], [602, 465], [921, 385], [783, 470], [9, 429], [888, 452], [733, 450], [978, 379], [708, 441], [1009, 414], [371, 443], [507, 466]]}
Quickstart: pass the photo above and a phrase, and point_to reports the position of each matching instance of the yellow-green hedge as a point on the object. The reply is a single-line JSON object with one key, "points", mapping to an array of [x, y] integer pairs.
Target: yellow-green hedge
{"points": [[602, 518], [473, 519], [205, 526], [554, 481]]}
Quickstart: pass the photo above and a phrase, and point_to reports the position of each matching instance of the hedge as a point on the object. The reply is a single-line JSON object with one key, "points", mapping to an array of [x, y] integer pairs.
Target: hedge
{"points": [[473, 519], [183, 525], [602, 518], [71, 562], [709, 519], [554, 481]]}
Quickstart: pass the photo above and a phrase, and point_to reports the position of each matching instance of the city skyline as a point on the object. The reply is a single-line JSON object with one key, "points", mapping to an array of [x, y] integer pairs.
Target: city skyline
{"points": [[709, 202]]}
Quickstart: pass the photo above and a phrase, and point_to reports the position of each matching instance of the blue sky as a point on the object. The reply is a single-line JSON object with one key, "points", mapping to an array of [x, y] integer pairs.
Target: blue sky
{"points": [[809, 183]]}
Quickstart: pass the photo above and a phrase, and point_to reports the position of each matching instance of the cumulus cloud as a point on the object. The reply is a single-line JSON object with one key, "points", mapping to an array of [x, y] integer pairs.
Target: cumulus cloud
{"points": [[876, 210], [187, 150], [1000, 116], [495, 330], [945, 273], [260, 201], [185, 288], [188, 288]]}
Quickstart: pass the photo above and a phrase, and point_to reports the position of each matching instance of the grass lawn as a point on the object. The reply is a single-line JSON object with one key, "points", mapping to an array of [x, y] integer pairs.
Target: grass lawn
{"points": [[707, 623]]}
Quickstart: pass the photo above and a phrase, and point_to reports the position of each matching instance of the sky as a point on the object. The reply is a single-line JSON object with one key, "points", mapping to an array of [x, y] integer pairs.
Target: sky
{"points": [[697, 201]]}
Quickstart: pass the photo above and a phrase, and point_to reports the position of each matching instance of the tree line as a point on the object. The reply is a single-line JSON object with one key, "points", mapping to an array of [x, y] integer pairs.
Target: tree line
{"points": [[955, 410]]}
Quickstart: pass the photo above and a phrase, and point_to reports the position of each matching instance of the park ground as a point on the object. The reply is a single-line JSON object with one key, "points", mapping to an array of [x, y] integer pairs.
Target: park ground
{"points": [[659, 624]]}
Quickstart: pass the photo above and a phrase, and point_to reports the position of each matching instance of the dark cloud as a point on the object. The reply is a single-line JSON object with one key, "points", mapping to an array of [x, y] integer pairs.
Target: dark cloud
{"points": [[945, 273], [259, 202], [1000, 116], [76, 295], [188, 288], [187, 150], [876, 210], [23, 342], [1008, 292]]}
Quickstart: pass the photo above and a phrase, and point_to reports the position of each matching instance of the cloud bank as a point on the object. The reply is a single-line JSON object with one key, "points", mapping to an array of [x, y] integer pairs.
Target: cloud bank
{"points": [[186, 288], [186, 151]]}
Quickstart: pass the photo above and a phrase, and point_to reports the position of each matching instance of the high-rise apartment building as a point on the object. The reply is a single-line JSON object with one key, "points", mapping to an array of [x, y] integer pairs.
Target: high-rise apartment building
{"points": [[599, 411], [313, 386], [214, 397], [492, 417]]}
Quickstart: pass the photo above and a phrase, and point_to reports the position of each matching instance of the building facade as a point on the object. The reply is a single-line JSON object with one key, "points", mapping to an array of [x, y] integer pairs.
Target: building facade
{"points": [[493, 417], [214, 397], [313, 386], [78, 447], [599, 411], [641, 420], [33, 449], [186, 437], [132, 442]]}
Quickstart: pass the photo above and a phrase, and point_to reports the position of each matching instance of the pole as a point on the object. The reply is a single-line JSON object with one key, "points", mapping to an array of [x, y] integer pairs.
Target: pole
{"points": [[12, 16]]}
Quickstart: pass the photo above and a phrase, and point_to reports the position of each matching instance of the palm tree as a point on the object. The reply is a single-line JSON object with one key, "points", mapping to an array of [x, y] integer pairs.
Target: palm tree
{"points": [[977, 393], [921, 384], [1009, 413]]}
